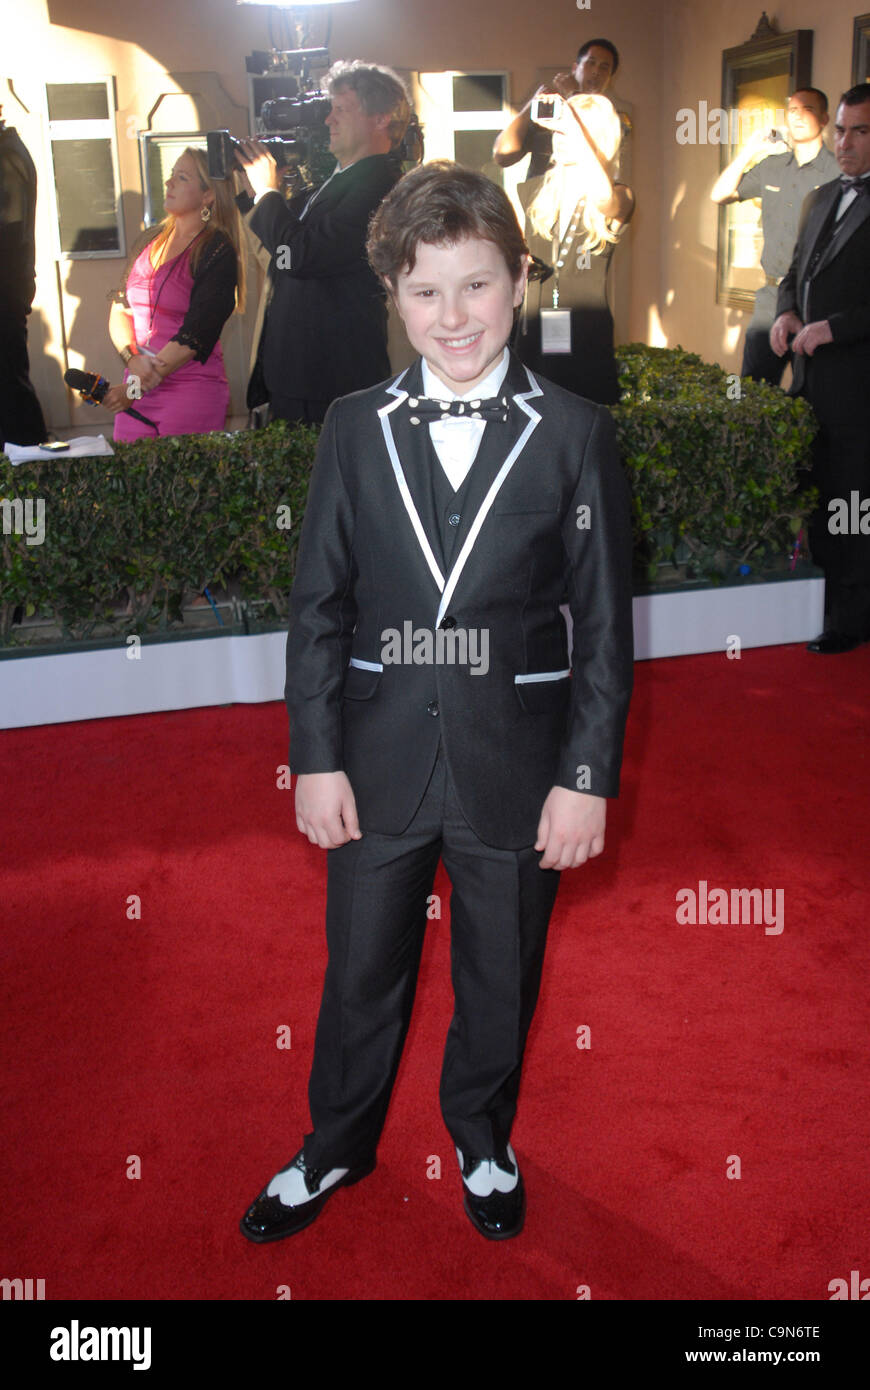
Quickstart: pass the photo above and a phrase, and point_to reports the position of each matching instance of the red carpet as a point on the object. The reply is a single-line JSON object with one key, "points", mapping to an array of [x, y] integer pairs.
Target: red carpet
{"points": [[156, 1037]]}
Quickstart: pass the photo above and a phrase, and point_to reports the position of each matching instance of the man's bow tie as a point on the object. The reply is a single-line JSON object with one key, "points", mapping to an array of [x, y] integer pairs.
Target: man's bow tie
{"points": [[425, 410], [859, 185]]}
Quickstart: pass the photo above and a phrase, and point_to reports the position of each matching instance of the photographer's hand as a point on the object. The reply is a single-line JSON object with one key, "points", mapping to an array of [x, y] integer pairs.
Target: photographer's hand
{"points": [[566, 84], [242, 182], [260, 167]]}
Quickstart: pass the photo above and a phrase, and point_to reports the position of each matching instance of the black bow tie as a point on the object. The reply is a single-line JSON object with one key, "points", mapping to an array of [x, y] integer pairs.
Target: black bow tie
{"points": [[425, 410], [859, 185]]}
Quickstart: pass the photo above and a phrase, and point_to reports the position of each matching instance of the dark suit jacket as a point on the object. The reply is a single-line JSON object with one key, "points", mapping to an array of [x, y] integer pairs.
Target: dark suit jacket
{"points": [[368, 564], [17, 221], [326, 326], [836, 379]]}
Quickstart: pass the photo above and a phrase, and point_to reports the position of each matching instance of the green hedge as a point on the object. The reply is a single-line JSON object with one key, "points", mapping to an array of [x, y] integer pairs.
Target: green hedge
{"points": [[716, 475], [160, 517], [715, 481]]}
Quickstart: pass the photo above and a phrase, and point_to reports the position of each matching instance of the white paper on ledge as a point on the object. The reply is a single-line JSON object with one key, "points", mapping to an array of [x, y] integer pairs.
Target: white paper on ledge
{"points": [[86, 446]]}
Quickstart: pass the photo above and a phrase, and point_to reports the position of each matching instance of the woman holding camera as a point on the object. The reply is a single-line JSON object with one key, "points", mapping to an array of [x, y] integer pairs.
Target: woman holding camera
{"points": [[167, 318], [575, 213]]}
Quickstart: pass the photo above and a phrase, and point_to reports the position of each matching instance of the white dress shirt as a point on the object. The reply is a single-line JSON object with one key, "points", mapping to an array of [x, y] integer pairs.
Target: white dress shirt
{"points": [[456, 439], [317, 192], [336, 171], [848, 197], [287, 262]]}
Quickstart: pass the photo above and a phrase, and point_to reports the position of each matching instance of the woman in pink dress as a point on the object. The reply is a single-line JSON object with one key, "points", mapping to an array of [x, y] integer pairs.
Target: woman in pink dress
{"points": [[167, 319]]}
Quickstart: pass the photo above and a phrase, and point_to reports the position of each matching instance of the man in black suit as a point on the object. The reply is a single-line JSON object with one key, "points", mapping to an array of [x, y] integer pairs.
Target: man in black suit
{"points": [[21, 418], [325, 332], [434, 710], [824, 301]]}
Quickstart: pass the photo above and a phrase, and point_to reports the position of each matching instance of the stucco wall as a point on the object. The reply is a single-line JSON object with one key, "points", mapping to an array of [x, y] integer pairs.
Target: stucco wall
{"points": [[671, 58]]}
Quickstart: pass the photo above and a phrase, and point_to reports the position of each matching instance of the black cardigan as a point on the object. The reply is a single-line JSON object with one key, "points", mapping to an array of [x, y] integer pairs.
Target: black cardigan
{"points": [[212, 298]]}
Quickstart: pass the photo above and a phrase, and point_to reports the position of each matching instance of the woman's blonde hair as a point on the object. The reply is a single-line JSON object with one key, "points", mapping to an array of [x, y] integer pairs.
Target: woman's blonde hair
{"points": [[224, 218], [575, 182]]}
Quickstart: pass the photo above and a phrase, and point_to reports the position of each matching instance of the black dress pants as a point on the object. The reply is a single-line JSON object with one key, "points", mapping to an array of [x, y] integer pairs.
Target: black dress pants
{"points": [[841, 465], [377, 894], [21, 418], [296, 411], [760, 362]]}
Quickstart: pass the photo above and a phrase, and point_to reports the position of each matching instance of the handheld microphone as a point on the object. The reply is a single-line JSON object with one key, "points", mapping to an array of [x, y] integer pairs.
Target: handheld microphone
{"points": [[93, 388]]}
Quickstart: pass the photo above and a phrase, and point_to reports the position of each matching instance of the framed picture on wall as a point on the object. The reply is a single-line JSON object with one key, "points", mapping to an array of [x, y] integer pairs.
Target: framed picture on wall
{"points": [[757, 80], [861, 49], [86, 187]]}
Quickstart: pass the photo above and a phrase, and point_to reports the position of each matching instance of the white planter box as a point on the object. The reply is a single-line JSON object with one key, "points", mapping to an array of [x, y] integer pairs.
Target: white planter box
{"points": [[247, 670], [703, 620]]}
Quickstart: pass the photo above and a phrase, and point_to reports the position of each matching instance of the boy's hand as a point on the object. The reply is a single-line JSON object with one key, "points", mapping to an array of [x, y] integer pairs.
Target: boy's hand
{"points": [[571, 828], [326, 809]]}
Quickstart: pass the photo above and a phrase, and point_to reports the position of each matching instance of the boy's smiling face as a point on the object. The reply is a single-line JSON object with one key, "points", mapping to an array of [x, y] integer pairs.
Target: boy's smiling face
{"points": [[457, 305]]}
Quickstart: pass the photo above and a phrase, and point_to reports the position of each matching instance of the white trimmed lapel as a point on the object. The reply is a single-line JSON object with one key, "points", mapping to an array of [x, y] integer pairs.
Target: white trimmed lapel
{"points": [[521, 402], [518, 377], [384, 413]]}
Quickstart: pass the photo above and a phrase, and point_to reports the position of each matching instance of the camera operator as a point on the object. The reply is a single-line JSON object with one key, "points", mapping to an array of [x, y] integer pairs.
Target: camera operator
{"points": [[325, 332], [593, 72]]}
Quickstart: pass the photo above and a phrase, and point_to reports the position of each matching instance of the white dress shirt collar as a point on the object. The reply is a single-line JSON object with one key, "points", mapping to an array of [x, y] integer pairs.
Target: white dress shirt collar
{"points": [[849, 196], [456, 438], [434, 387]]}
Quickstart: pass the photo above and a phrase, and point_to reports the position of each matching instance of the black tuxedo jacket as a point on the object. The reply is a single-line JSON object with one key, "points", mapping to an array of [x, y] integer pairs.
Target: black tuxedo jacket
{"points": [[326, 325], [368, 564], [17, 222], [836, 379]]}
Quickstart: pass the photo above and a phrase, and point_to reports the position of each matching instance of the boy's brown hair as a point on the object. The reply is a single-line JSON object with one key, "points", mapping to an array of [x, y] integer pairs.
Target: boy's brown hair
{"points": [[441, 203]]}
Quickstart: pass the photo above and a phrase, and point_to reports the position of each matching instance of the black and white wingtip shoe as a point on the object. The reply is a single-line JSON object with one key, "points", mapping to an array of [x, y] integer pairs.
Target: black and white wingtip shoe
{"points": [[294, 1198], [494, 1194]]}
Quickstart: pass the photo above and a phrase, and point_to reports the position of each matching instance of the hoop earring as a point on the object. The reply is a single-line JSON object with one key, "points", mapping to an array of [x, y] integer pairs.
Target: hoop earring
{"points": [[205, 213]]}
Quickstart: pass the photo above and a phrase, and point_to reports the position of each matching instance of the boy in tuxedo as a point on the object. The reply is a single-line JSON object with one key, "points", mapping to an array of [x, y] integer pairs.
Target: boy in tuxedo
{"points": [[434, 711]]}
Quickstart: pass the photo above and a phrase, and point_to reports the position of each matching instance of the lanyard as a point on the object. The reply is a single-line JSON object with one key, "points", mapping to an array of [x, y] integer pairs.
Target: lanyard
{"points": [[562, 248], [153, 303]]}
